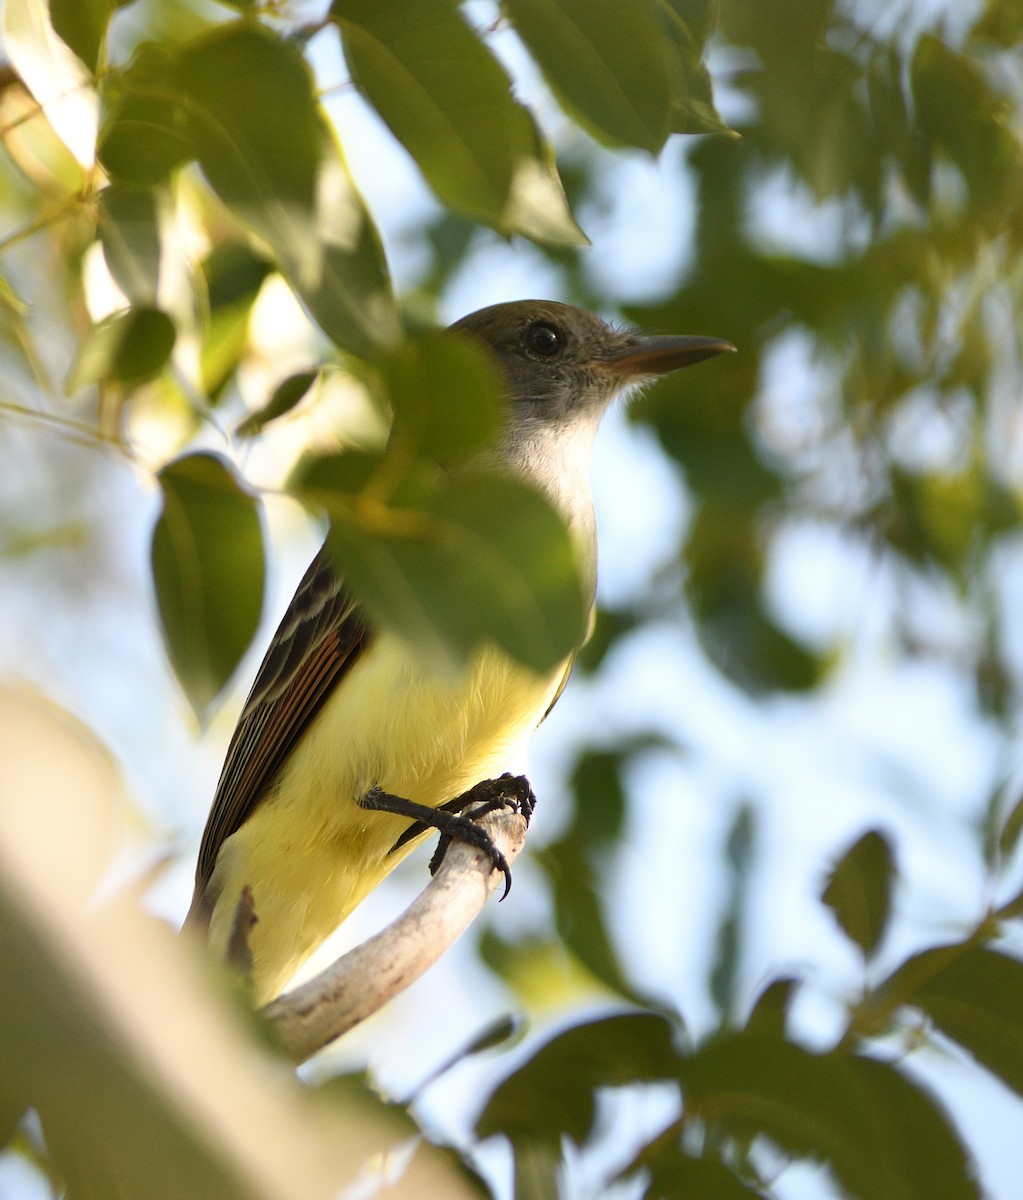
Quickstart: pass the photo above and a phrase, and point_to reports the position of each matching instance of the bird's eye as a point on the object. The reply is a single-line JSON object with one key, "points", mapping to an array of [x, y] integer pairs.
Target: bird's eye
{"points": [[544, 340]]}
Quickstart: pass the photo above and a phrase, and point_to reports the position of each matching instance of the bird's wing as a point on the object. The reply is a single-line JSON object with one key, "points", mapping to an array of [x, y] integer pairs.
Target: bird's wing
{"points": [[321, 636]]}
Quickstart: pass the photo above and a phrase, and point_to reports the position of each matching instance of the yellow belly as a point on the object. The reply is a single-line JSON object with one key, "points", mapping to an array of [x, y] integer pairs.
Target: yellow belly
{"points": [[309, 852]]}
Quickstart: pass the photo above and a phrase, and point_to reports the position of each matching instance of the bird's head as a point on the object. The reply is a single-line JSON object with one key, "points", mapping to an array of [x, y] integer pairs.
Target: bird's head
{"points": [[564, 365]]}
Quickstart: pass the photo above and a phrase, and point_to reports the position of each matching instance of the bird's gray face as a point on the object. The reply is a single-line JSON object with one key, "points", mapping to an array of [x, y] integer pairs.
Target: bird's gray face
{"points": [[563, 364]]}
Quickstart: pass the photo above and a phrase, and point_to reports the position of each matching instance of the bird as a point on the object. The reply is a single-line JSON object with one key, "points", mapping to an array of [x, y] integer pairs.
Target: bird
{"points": [[347, 735]]}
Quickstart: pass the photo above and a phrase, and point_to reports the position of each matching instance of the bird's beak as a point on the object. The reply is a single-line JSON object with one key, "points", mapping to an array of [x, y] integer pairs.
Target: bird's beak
{"points": [[657, 355]]}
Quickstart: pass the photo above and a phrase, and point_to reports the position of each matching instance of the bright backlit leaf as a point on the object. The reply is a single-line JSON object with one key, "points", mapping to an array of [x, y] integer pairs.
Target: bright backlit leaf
{"points": [[130, 235], [448, 100], [613, 69], [280, 171], [54, 74]]}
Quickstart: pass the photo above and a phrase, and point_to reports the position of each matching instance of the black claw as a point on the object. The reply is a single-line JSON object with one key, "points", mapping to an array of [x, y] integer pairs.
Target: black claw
{"points": [[457, 818]]}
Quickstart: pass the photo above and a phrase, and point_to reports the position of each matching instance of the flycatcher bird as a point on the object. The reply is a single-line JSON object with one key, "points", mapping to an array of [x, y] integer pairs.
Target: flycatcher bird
{"points": [[347, 733]]}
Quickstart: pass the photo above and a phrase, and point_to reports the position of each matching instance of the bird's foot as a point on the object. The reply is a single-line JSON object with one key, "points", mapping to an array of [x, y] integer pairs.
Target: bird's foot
{"points": [[456, 819]]}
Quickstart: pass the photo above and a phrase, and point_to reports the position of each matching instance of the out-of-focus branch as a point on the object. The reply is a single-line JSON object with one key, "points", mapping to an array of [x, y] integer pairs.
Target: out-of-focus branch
{"points": [[363, 980]]}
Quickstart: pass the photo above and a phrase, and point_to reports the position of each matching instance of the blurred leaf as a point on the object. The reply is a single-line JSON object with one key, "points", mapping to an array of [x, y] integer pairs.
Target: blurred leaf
{"points": [[674, 1175], [446, 393], [600, 797], [82, 24], [610, 626], [144, 135], [974, 995], [483, 536], [478, 148], [859, 890], [130, 234], [505, 1031], [613, 71], [579, 911], [279, 170], [54, 75], [889, 109], [145, 1084], [209, 572], [688, 24], [724, 975], [725, 564], [287, 394], [553, 1093], [770, 1011], [126, 348], [1012, 827], [956, 107], [881, 1134], [234, 274]]}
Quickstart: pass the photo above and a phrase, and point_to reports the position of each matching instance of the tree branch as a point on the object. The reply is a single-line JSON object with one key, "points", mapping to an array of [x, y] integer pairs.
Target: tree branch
{"points": [[363, 980]]}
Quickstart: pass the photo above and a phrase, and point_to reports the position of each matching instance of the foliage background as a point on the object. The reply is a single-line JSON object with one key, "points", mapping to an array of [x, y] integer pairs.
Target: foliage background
{"points": [[766, 938]]}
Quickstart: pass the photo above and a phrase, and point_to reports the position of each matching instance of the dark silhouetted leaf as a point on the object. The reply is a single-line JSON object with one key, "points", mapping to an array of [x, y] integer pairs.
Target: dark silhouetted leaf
{"points": [[449, 102], [956, 107], [1012, 827], [880, 1134], [82, 24], [859, 890], [209, 572], [126, 348], [974, 995], [579, 911], [130, 235], [553, 1093], [674, 1175], [770, 1012], [288, 393]]}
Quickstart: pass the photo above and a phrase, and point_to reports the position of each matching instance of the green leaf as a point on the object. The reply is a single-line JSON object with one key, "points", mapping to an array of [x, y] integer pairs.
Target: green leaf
{"points": [[209, 571], [130, 236], [446, 393], [145, 134], [452, 564], [859, 890], [881, 1134], [553, 1094], [234, 274], [448, 100], [974, 995], [614, 71], [579, 911], [280, 171], [673, 1175], [82, 24], [770, 1011], [956, 107], [126, 348], [287, 394], [1012, 827], [54, 75]]}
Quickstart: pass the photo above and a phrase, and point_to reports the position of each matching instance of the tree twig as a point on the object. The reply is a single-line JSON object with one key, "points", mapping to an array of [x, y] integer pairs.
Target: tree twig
{"points": [[363, 980]]}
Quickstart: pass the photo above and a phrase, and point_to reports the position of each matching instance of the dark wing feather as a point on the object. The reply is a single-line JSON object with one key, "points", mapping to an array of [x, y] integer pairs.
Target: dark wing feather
{"points": [[319, 639]]}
